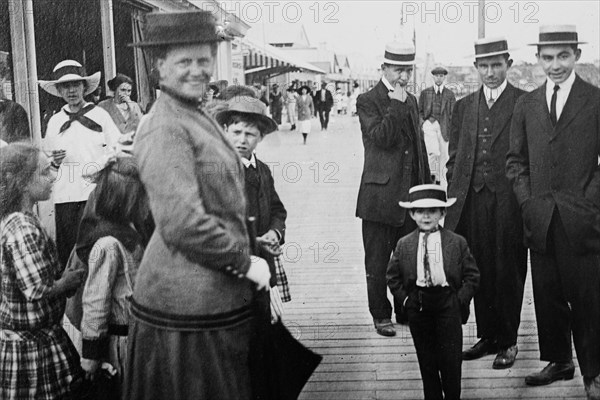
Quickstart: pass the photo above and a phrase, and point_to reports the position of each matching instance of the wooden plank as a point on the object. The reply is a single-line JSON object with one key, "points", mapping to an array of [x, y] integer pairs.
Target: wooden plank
{"points": [[329, 311]]}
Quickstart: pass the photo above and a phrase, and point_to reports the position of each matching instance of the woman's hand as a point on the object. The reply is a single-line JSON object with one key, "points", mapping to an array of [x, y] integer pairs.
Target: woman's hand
{"points": [[90, 367], [259, 272], [276, 305], [270, 243], [71, 279]]}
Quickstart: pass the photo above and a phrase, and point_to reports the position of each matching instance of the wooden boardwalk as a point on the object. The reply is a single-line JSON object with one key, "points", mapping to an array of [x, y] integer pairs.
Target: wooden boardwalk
{"points": [[318, 183]]}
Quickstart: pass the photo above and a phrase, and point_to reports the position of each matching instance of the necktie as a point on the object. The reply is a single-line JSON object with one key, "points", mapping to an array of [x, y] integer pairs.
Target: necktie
{"points": [[82, 119], [426, 266], [490, 102], [553, 105]]}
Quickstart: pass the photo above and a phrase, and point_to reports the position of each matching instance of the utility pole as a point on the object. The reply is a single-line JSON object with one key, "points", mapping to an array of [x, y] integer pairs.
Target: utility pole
{"points": [[481, 19]]}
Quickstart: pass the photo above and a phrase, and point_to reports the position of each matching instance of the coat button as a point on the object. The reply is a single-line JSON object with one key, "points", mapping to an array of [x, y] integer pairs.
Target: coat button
{"points": [[406, 152]]}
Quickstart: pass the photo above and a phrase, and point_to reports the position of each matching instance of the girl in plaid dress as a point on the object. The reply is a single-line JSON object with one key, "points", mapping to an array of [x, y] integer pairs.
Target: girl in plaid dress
{"points": [[37, 359]]}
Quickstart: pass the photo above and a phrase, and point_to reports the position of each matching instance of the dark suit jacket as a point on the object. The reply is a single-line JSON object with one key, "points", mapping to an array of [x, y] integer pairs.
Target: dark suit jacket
{"points": [[426, 107], [558, 166], [271, 213], [326, 106], [271, 210], [462, 148], [391, 138], [459, 266]]}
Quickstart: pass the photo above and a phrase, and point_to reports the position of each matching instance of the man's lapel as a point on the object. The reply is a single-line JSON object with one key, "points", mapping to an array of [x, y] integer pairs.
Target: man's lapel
{"points": [[471, 115], [503, 109], [541, 112], [573, 106]]}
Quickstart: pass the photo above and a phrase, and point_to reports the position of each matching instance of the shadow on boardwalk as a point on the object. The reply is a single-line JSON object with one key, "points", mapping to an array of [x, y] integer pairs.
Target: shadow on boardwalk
{"points": [[318, 184]]}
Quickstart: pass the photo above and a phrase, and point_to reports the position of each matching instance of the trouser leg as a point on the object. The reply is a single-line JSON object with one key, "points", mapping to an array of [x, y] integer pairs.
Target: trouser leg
{"points": [[67, 217]]}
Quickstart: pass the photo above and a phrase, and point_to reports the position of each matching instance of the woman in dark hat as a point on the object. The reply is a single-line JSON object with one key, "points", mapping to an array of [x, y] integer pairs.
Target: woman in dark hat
{"points": [[305, 109], [125, 112], [192, 321]]}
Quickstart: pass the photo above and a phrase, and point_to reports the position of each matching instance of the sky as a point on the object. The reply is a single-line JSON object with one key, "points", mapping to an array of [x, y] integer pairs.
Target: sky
{"points": [[446, 29]]}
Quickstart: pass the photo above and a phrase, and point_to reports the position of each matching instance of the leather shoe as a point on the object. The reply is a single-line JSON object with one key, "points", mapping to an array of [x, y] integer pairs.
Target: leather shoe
{"points": [[506, 358], [481, 348], [592, 387], [552, 372], [384, 327]]}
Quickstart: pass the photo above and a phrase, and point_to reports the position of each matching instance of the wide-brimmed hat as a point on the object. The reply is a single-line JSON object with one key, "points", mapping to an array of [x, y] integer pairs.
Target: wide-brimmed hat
{"points": [[557, 34], [187, 27], [399, 53], [488, 47], [70, 71], [247, 105], [427, 196], [439, 69], [308, 89]]}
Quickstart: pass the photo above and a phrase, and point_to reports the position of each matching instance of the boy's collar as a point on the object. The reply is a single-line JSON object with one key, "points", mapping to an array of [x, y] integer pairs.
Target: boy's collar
{"points": [[437, 228]]}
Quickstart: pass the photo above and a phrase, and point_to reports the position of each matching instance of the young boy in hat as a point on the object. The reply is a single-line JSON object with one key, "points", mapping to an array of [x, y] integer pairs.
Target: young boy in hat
{"points": [[434, 276], [246, 123]]}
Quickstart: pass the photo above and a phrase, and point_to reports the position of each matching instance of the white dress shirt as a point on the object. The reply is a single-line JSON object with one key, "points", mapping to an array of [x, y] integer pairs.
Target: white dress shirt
{"points": [[438, 89], [436, 260], [561, 95], [494, 93], [251, 161], [387, 84]]}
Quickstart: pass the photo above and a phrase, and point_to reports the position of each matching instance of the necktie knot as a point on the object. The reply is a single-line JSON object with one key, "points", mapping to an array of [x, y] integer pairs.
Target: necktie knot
{"points": [[80, 117], [556, 87]]}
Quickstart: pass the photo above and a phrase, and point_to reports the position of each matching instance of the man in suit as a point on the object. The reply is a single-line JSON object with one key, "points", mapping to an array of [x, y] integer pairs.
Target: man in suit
{"points": [[486, 211], [323, 103], [435, 109], [395, 160], [553, 166]]}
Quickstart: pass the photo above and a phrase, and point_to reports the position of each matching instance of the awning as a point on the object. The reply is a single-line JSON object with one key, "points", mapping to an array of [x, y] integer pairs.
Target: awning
{"points": [[268, 59]]}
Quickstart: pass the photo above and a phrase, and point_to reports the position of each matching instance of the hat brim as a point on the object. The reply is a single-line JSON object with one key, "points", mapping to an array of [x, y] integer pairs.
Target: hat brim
{"points": [[269, 123], [395, 62], [427, 203], [493, 53], [176, 41], [92, 83], [556, 42]]}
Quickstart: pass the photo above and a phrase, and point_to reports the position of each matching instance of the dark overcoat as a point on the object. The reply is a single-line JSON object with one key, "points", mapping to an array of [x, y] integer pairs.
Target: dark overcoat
{"points": [[462, 148], [391, 138], [426, 108], [558, 166]]}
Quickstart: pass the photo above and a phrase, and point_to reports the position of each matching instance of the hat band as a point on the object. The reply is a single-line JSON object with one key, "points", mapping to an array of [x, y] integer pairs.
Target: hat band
{"points": [[399, 57], [558, 37], [427, 194], [491, 47], [66, 70]]}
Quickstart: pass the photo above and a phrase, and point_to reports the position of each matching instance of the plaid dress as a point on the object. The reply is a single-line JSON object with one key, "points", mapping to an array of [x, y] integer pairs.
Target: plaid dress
{"points": [[37, 359]]}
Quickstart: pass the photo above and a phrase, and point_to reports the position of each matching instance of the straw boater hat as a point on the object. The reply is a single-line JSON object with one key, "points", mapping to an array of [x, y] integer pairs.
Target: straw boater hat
{"points": [[247, 105], [439, 69], [399, 53], [187, 27], [488, 47], [427, 196], [557, 34], [70, 71]]}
